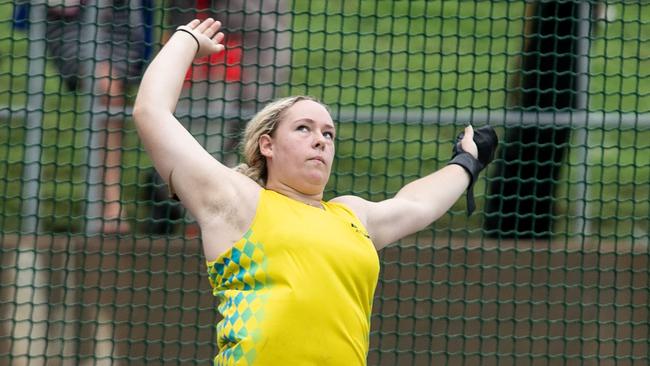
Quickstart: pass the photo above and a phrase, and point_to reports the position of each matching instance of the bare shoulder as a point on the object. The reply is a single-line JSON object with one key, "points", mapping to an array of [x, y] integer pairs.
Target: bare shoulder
{"points": [[386, 221], [350, 200], [357, 204]]}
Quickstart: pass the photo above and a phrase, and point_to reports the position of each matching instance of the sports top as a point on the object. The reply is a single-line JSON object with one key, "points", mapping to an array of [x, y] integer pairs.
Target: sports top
{"points": [[297, 288]]}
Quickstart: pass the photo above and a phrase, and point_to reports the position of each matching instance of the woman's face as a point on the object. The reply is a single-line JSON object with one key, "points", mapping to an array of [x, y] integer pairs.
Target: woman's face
{"points": [[301, 150]]}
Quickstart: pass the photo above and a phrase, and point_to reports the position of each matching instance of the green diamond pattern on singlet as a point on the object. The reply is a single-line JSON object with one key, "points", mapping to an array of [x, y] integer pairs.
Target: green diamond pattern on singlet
{"points": [[240, 279]]}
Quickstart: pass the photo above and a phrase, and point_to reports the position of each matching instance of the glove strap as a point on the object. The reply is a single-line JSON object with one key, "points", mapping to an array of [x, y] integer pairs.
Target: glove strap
{"points": [[473, 167]]}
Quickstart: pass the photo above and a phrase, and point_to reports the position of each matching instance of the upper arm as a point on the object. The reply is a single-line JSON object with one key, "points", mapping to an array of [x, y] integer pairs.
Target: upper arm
{"points": [[413, 208], [204, 185], [387, 221]]}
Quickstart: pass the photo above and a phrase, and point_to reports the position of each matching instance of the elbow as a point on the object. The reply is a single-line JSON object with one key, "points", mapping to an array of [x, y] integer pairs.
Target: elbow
{"points": [[139, 113], [145, 111], [142, 114]]}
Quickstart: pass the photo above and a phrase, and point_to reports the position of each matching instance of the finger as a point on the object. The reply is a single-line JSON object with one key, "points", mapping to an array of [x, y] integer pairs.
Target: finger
{"points": [[193, 24], [212, 29], [215, 26], [218, 47], [218, 38], [205, 25]]}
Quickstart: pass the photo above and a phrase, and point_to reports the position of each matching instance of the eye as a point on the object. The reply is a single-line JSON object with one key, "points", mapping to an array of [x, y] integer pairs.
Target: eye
{"points": [[302, 128], [329, 135]]}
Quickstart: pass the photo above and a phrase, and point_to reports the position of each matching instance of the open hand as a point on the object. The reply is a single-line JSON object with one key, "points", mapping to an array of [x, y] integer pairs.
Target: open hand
{"points": [[207, 34]]}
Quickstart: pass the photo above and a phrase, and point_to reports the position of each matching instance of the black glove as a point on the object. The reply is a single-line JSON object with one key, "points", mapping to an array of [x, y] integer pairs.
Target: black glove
{"points": [[486, 141]]}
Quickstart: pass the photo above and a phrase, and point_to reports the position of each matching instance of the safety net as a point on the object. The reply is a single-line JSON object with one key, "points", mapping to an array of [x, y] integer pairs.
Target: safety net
{"points": [[100, 266]]}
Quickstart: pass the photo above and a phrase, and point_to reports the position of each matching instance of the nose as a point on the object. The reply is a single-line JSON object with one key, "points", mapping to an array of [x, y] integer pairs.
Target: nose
{"points": [[319, 141]]}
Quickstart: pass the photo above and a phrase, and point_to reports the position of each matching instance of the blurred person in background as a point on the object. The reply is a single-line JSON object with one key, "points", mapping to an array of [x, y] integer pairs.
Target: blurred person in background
{"points": [[119, 55]]}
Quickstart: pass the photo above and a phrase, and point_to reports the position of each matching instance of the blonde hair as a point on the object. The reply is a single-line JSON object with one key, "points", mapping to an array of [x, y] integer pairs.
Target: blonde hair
{"points": [[264, 122]]}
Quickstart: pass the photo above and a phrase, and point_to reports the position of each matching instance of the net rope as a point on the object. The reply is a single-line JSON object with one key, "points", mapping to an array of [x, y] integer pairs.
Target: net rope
{"points": [[553, 267]]}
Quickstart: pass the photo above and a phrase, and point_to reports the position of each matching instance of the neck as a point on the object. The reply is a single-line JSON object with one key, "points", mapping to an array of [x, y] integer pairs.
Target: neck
{"points": [[311, 200]]}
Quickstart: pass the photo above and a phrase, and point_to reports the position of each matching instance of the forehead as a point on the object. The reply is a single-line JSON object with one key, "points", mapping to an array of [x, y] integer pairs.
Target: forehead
{"points": [[309, 110]]}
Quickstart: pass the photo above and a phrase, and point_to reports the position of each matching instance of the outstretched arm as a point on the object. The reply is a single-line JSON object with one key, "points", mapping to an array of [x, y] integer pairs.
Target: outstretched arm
{"points": [[203, 184], [419, 203]]}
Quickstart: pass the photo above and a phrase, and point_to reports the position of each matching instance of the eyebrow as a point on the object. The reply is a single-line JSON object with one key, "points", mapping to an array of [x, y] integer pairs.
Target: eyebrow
{"points": [[311, 121]]}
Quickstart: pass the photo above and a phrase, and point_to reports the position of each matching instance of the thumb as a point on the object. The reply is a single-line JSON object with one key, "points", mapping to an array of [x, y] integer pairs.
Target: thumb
{"points": [[467, 143], [469, 132]]}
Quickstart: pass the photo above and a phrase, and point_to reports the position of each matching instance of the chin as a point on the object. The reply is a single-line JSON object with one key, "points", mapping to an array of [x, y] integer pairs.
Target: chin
{"points": [[313, 186]]}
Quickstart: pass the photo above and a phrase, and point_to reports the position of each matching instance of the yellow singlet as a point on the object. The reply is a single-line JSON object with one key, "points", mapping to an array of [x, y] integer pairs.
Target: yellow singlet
{"points": [[297, 289]]}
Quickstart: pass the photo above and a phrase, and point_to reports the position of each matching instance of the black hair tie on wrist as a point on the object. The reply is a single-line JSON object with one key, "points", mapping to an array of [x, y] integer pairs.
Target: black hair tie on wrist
{"points": [[198, 45]]}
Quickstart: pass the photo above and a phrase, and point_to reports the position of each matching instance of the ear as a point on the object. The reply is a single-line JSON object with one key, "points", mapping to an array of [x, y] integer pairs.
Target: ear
{"points": [[266, 145]]}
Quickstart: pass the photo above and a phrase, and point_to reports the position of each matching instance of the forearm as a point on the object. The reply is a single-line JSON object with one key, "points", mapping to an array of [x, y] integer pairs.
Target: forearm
{"points": [[162, 83], [436, 193], [415, 206], [156, 101], [423, 201]]}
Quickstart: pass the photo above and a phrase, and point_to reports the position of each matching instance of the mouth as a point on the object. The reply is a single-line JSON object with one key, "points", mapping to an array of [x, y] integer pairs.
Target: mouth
{"points": [[319, 159]]}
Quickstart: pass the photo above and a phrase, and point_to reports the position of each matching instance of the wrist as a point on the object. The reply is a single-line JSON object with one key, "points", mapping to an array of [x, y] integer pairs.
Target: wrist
{"points": [[469, 163], [188, 33], [462, 177]]}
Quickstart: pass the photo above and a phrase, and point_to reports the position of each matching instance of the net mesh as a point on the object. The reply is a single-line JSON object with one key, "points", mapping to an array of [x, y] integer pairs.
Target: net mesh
{"points": [[553, 268]]}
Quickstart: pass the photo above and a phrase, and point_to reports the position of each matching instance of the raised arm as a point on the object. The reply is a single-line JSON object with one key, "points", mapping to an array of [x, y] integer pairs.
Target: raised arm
{"points": [[205, 186], [424, 200]]}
